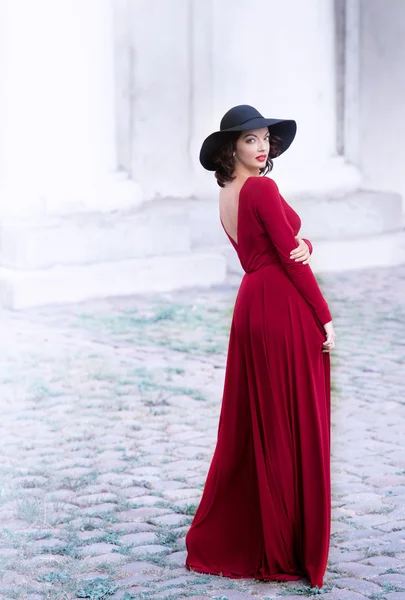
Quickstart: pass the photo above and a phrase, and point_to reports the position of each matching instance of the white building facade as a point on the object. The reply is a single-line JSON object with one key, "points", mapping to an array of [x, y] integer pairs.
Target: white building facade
{"points": [[103, 109]]}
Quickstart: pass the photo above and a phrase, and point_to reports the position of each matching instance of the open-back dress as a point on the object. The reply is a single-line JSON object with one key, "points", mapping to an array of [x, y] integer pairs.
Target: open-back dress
{"points": [[266, 506]]}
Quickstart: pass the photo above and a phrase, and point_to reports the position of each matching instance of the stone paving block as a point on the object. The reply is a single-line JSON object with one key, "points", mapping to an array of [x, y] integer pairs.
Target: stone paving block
{"points": [[359, 569], [397, 536], [95, 499], [396, 579], [187, 507], [147, 500], [366, 498], [339, 555], [65, 495], [117, 479], [98, 548], [99, 560], [10, 577], [149, 549], [268, 589], [392, 525], [398, 490], [363, 534], [132, 527], [137, 579], [9, 552], [139, 567], [286, 596], [47, 543], [399, 511], [31, 481], [181, 542], [395, 596], [370, 520], [358, 585], [89, 535], [182, 529], [89, 576], [337, 594], [177, 558], [73, 472], [133, 491], [197, 479], [364, 545], [48, 559], [99, 488], [169, 519], [387, 480], [145, 469], [98, 509], [234, 594], [135, 514], [344, 488], [337, 526], [133, 591], [385, 562], [190, 451], [142, 537], [14, 524], [182, 494], [174, 593], [170, 484]]}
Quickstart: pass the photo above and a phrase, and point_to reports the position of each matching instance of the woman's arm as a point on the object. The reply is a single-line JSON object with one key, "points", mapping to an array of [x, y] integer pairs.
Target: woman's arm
{"points": [[270, 211]]}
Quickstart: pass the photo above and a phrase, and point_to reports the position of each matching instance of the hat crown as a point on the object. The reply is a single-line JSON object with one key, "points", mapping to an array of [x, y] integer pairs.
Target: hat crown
{"points": [[238, 115]]}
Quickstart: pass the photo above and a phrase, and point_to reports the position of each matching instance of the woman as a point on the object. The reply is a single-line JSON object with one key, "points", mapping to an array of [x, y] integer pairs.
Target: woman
{"points": [[265, 510]]}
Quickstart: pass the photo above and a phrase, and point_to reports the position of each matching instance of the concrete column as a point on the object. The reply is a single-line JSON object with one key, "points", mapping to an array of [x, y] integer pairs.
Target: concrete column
{"points": [[382, 94], [62, 235], [57, 119], [161, 96]]}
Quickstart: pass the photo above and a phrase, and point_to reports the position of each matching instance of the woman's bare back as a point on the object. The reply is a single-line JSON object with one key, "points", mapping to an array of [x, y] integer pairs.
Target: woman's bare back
{"points": [[229, 207]]}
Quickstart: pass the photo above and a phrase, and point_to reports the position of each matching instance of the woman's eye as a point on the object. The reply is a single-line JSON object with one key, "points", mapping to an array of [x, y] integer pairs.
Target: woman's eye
{"points": [[266, 139]]}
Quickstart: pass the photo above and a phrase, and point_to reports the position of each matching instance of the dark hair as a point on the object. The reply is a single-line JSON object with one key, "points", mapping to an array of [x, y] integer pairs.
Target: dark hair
{"points": [[225, 159]]}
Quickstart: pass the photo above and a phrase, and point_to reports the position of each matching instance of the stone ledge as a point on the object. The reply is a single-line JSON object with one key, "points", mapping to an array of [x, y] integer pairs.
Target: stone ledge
{"points": [[359, 213], [158, 229], [384, 250], [64, 284]]}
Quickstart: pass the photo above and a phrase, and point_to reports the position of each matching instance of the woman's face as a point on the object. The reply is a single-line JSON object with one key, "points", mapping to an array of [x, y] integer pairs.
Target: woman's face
{"points": [[252, 148]]}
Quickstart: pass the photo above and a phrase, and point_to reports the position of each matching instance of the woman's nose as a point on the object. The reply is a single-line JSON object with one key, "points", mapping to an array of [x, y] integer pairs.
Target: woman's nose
{"points": [[263, 145]]}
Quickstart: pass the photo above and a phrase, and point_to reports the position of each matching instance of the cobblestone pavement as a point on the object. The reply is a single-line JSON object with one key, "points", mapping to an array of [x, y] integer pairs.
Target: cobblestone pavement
{"points": [[109, 421]]}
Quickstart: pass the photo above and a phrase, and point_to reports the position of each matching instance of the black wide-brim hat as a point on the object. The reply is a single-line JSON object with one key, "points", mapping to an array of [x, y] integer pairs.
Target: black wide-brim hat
{"points": [[243, 118]]}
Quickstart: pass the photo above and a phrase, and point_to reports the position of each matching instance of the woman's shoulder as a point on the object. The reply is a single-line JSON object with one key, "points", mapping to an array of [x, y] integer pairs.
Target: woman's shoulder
{"points": [[262, 183]]}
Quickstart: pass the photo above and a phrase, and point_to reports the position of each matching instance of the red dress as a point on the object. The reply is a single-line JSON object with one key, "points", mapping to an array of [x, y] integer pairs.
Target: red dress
{"points": [[266, 507]]}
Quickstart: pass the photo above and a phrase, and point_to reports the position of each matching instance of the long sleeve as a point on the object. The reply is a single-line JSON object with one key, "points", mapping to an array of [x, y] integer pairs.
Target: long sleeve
{"points": [[270, 211]]}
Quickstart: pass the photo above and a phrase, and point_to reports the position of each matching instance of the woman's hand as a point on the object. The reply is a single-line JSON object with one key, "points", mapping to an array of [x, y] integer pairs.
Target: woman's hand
{"points": [[329, 343], [301, 253]]}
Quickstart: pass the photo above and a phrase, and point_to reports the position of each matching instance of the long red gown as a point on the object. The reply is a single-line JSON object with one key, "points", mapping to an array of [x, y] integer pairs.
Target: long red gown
{"points": [[266, 506]]}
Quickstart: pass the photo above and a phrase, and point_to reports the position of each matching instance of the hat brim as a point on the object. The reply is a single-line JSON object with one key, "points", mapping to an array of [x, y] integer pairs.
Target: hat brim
{"points": [[283, 128]]}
